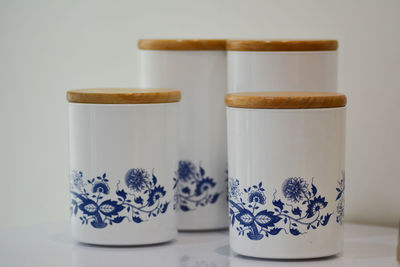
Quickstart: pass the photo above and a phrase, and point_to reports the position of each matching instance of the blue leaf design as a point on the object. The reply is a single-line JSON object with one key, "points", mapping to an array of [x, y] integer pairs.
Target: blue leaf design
{"points": [[164, 207], [245, 217], [110, 207], [202, 172], [314, 189], [294, 231], [275, 231], [296, 211], [214, 198], [137, 219], [154, 180], [326, 219], [278, 203], [138, 200], [121, 193], [267, 219], [184, 208], [118, 219], [88, 207]]}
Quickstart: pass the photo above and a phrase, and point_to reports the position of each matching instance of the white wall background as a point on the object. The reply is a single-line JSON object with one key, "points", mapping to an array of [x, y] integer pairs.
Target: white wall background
{"points": [[49, 46]]}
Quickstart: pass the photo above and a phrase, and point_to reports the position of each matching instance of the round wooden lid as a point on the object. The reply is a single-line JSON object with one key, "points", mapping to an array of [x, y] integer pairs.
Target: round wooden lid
{"points": [[285, 100], [281, 45], [123, 96], [181, 44]]}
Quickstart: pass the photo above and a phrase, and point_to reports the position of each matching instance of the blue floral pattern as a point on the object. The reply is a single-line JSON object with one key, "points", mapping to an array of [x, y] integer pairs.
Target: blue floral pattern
{"points": [[193, 188], [93, 202], [340, 199], [301, 210]]}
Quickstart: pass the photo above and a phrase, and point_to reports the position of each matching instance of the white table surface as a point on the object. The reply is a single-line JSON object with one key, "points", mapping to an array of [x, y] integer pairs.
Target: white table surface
{"points": [[52, 245]]}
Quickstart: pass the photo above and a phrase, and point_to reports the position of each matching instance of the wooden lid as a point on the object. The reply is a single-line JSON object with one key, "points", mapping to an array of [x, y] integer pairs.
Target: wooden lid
{"points": [[181, 44], [123, 96], [281, 45], [285, 100]]}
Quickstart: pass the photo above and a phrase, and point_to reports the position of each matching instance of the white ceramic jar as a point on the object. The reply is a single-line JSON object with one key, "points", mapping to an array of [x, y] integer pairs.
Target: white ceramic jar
{"points": [[123, 151], [198, 69], [286, 173], [282, 65]]}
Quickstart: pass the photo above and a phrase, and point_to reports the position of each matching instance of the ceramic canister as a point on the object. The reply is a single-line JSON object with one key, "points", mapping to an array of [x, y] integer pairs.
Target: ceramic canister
{"points": [[282, 65], [198, 69], [286, 173], [123, 150]]}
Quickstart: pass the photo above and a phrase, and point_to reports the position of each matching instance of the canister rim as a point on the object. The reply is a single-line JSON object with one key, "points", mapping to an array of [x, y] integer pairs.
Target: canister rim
{"points": [[182, 44], [123, 96], [285, 100], [281, 45]]}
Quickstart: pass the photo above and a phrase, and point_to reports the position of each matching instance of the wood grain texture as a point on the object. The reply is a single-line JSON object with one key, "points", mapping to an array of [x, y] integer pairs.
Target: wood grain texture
{"points": [[285, 100], [182, 44], [123, 96], [281, 45]]}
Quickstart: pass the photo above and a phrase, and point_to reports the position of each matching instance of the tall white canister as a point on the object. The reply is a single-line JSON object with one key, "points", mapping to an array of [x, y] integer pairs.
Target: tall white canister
{"points": [[198, 69], [123, 151], [282, 65], [286, 173]]}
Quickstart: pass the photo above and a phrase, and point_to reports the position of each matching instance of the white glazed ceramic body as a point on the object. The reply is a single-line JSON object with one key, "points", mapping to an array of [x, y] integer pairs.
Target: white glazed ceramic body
{"points": [[122, 160], [286, 177], [201, 77], [282, 71]]}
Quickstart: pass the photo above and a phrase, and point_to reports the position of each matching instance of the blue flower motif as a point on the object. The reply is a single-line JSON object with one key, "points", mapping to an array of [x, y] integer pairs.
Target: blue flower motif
{"points": [[258, 220], [257, 197], [315, 206], [186, 170], [204, 185], [121, 206], [155, 194], [295, 189], [137, 179], [101, 187], [193, 188]]}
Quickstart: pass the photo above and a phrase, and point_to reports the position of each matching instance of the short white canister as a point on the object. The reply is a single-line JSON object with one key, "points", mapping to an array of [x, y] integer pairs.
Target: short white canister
{"points": [[286, 173], [198, 69], [282, 65], [123, 152]]}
